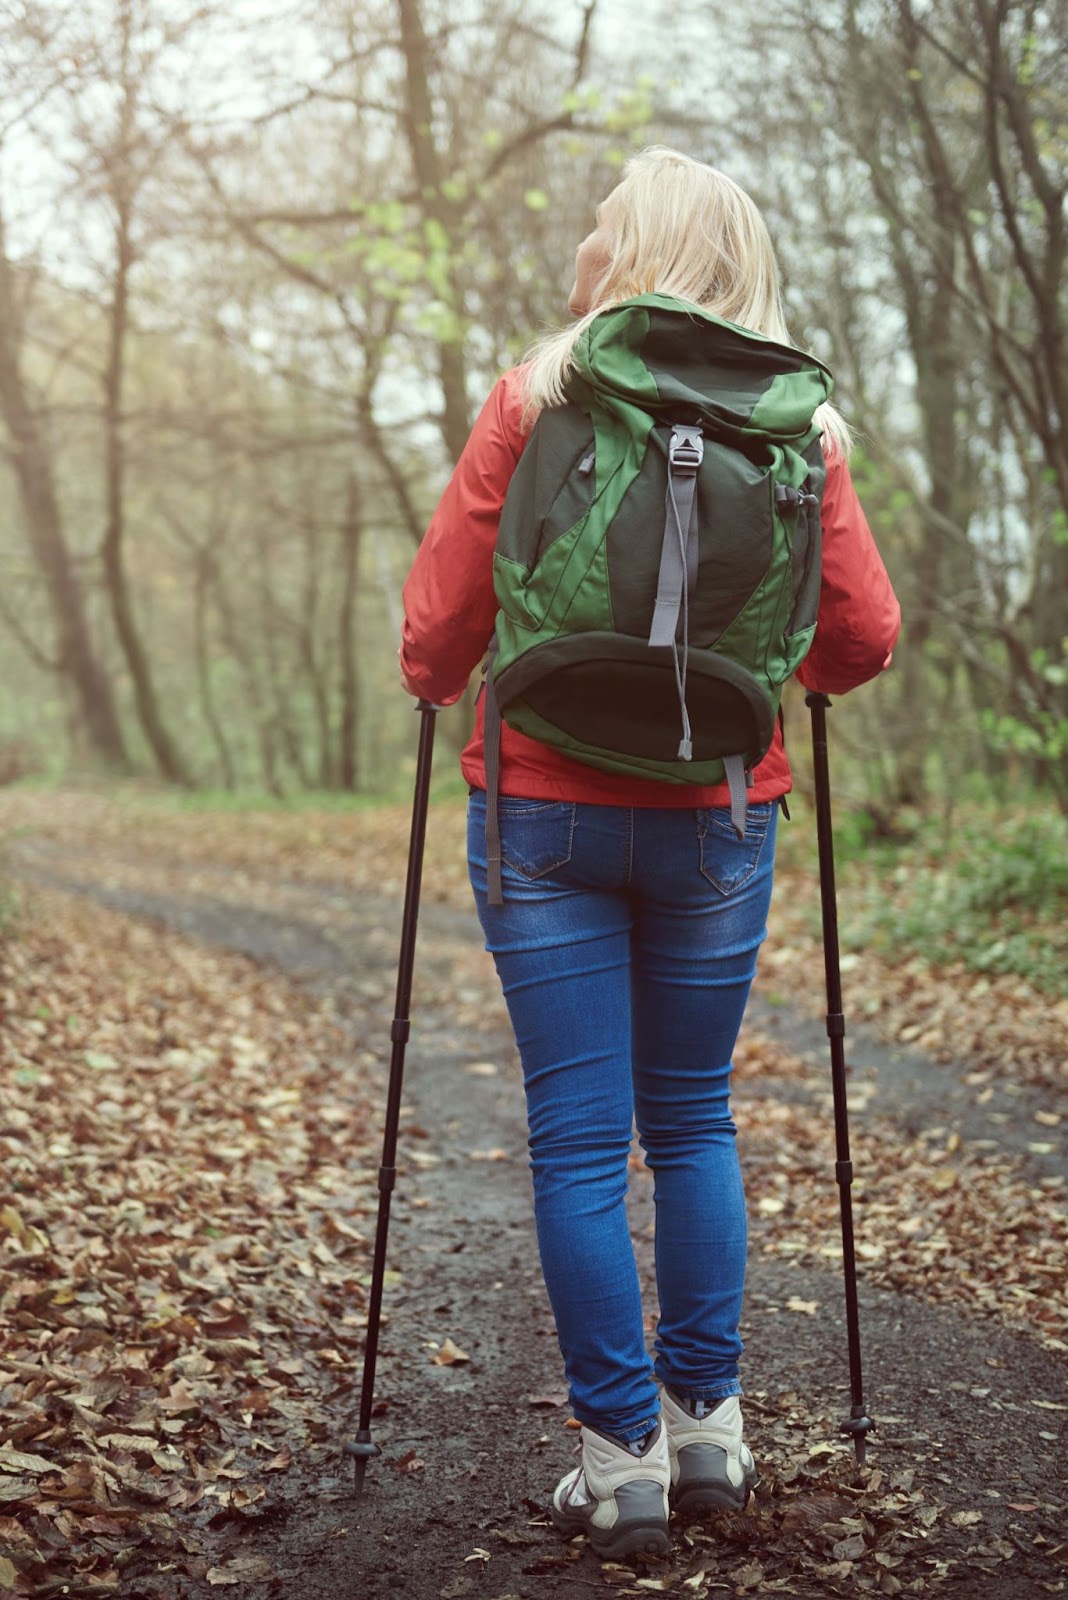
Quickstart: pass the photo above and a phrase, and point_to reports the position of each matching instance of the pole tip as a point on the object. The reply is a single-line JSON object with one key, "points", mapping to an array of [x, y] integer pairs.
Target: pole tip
{"points": [[362, 1449], [857, 1426]]}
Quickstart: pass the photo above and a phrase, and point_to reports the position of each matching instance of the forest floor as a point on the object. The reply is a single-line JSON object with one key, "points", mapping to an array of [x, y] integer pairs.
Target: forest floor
{"points": [[193, 1052]]}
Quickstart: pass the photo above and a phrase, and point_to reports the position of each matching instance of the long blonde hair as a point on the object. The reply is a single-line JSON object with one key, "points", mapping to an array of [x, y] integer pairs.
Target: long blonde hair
{"points": [[678, 227]]}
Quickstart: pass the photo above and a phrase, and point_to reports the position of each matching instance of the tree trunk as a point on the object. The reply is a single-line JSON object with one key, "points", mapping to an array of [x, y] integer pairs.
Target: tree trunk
{"points": [[351, 531], [204, 570], [269, 620], [34, 473], [427, 165], [168, 760], [233, 638]]}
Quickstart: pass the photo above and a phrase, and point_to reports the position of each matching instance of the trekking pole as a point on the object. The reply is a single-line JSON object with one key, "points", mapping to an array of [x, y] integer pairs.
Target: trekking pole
{"points": [[363, 1448], [858, 1424]]}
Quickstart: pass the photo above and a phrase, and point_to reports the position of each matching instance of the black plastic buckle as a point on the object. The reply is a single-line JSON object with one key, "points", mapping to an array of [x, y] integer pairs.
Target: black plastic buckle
{"points": [[686, 450]]}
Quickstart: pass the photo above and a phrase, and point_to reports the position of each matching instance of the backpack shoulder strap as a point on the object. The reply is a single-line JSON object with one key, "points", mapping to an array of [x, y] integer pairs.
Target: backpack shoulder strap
{"points": [[491, 735]]}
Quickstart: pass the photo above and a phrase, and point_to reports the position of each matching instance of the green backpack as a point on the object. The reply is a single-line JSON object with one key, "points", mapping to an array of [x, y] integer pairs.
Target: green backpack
{"points": [[658, 558]]}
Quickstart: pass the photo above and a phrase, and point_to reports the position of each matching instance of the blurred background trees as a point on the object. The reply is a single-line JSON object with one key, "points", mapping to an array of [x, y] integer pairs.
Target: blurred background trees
{"points": [[260, 262]]}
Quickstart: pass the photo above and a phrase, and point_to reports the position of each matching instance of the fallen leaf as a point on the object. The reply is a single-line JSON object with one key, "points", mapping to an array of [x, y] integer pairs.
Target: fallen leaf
{"points": [[136, 1443], [14, 1489], [100, 1061], [333, 1358], [19, 1461], [749, 1576], [850, 1549], [243, 1569], [809, 1307], [450, 1355], [410, 1462]]}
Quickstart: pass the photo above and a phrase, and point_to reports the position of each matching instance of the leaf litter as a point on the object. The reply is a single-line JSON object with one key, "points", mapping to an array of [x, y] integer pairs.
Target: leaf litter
{"points": [[183, 1251]]}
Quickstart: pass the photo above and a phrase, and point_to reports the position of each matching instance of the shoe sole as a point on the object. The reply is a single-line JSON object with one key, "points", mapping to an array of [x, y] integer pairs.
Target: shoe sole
{"points": [[707, 1499], [709, 1496], [625, 1539]]}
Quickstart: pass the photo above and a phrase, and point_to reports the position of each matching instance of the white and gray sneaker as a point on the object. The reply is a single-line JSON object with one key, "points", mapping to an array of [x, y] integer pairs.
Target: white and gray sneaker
{"points": [[618, 1495], [711, 1468]]}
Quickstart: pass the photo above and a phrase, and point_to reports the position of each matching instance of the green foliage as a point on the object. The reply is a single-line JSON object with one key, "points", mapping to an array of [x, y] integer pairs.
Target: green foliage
{"points": [[994, 895], [885, 501], [1044, 736]]}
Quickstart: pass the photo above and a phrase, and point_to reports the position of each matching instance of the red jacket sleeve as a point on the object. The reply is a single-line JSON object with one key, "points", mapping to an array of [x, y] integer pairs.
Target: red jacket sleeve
{"points": [[859, 618], [449, 601]]}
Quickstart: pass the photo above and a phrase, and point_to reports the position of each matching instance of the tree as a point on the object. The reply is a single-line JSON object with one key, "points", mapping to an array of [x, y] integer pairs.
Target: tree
{"points": [[76, 657]]}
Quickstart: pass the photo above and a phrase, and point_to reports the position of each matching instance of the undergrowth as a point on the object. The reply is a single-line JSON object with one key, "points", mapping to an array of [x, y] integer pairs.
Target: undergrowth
{"points": [[990, 890]]}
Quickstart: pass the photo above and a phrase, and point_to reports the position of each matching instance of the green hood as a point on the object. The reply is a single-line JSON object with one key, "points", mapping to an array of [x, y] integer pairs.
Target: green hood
{"points": [[673, 361]]}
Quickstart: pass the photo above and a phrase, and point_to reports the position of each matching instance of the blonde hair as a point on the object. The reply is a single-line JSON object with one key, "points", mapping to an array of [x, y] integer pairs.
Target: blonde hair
{"points": [[678, 227]]}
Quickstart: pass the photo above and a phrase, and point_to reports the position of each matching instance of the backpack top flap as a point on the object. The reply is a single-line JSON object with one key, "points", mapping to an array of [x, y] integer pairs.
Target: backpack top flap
{"points": [[672, 362]]}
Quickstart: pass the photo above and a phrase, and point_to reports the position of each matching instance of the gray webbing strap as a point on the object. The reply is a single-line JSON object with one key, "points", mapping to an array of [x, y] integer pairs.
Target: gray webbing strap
{"points": [[673, 572], [734, 767], [491, 734], [678, 562], [678, 554]]}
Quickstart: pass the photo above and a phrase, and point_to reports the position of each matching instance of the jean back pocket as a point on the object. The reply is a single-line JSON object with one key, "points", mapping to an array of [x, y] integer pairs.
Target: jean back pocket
{"points": [[727, 861], [537, 836]]}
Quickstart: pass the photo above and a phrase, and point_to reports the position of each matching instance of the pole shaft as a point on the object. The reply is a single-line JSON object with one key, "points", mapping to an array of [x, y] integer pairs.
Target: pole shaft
{"points": [[818, 704], [399, 1036]]}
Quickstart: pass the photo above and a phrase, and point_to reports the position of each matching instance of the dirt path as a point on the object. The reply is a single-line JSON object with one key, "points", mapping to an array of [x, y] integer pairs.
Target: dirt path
{"points": [[970, 1452]]}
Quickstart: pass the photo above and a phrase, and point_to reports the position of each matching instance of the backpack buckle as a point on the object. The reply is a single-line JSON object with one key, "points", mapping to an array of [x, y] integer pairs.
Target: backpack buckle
{"points": [[686, 450]]}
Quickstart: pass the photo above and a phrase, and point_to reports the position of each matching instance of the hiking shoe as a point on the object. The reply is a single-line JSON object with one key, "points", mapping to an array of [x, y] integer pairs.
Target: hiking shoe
{"points": [[711, 1468], [618, 1495]]}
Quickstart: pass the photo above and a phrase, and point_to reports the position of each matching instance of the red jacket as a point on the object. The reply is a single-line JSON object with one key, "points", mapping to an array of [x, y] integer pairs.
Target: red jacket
{"points": [[450, 609]]}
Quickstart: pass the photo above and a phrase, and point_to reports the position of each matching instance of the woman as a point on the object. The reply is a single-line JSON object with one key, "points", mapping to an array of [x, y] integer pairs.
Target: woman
{"points": [[633, 912]]}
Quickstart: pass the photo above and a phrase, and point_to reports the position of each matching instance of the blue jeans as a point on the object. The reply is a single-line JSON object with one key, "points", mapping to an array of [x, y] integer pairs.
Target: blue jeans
{"points": [[626, 948]]}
